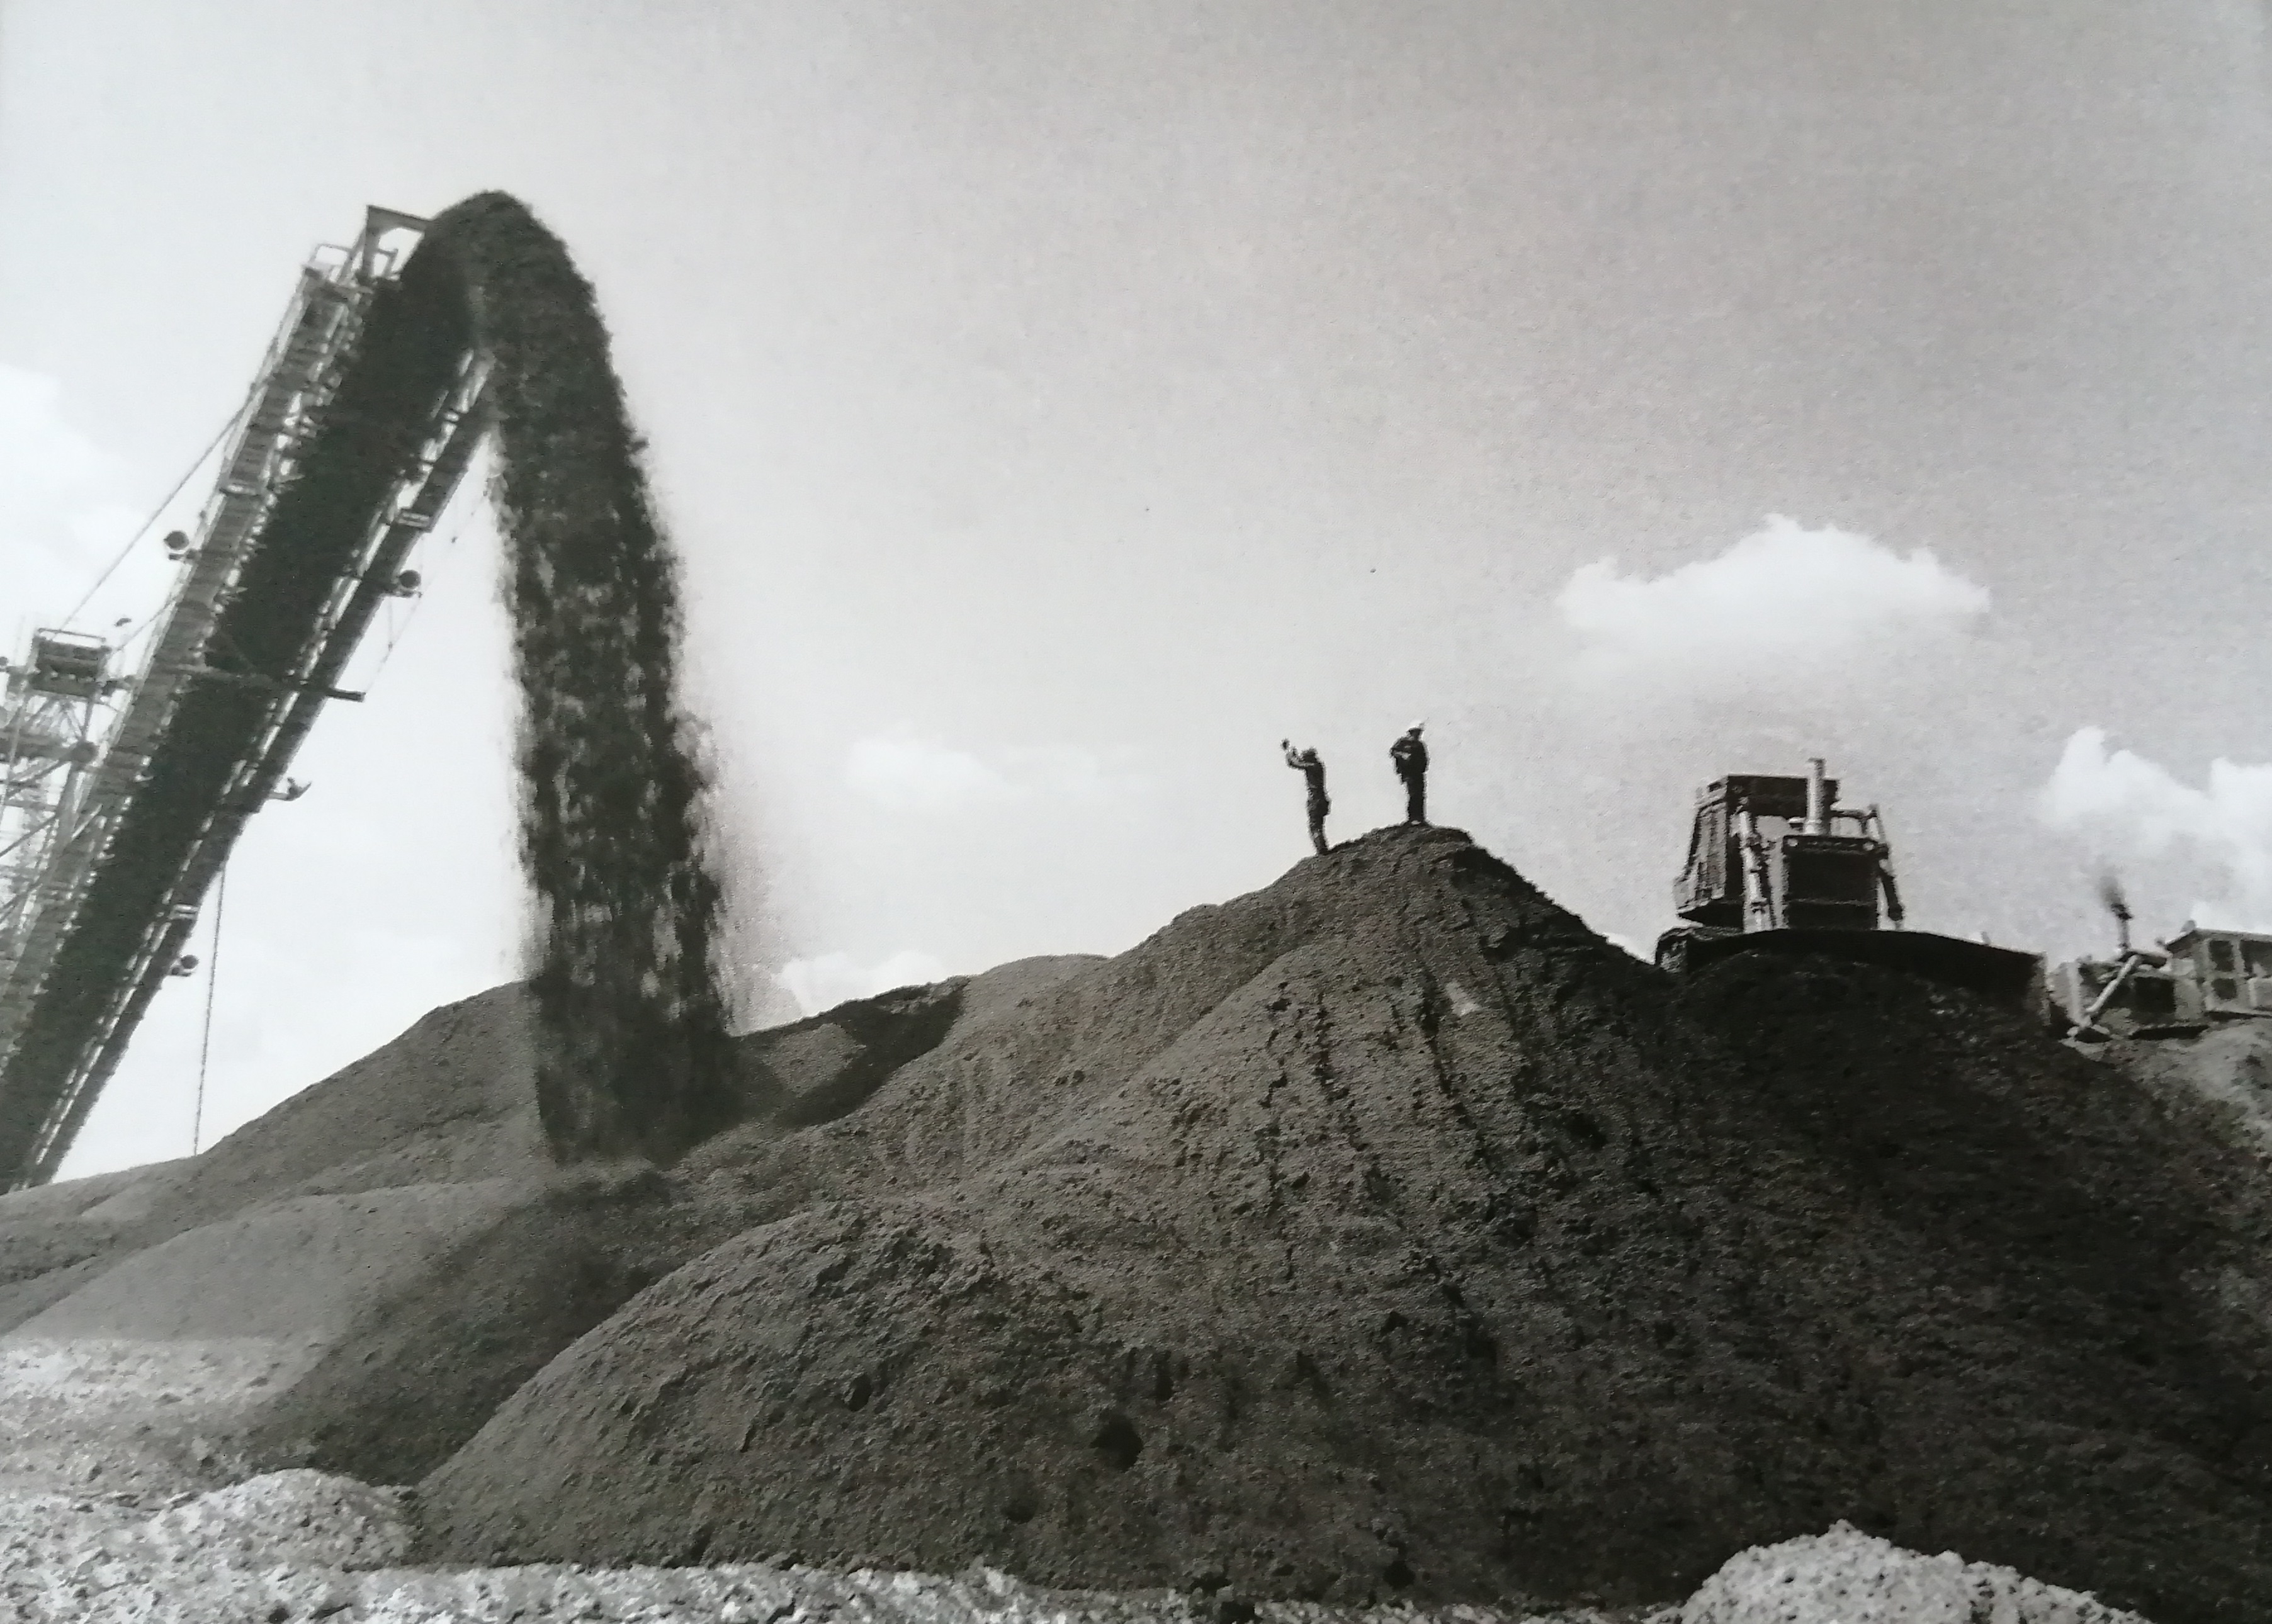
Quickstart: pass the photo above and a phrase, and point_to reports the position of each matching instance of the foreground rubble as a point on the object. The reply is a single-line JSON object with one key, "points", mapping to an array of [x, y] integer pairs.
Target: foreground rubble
{"points": [[303, 1545]]}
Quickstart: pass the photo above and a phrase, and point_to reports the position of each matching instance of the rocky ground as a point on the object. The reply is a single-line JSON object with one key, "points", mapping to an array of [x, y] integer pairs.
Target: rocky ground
{"points": [[302, 1544]]}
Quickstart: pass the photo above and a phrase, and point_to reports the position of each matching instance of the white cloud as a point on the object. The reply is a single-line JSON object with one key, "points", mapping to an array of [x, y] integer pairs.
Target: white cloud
{"points": [[832, 979], [58, 489], [42, 457], [64, 511], [98, 528], [1065, 772], [2129, 806], [1782, 595], [907, 774], [916, 775]]}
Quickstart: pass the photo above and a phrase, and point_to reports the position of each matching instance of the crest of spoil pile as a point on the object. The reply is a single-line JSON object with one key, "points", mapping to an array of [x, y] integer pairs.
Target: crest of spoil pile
{"points": [[1386, 1234], [630, 1017]]}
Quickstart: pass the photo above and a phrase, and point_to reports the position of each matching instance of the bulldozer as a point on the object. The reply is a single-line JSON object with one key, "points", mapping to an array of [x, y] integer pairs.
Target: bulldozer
{"points": [[2199, 978], [1776, 866]]}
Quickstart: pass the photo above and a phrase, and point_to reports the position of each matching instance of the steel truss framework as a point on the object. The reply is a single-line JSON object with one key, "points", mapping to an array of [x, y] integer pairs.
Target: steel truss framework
{"points": [[117, 816]]}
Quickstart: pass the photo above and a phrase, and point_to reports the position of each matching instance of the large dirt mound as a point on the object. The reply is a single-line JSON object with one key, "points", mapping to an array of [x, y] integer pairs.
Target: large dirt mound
{"points": [[453, 1100], [439, 1355], [1388, 1232], [53, 1238], [154, 1365], [2049, 1287], [2224, 1076], [359, 1277], [450, 1101]]}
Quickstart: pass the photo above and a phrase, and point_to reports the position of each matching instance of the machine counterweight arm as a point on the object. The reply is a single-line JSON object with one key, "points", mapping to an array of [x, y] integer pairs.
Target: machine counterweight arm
{"points": [[2131, 962], [1759, 894], [1886, 871]]}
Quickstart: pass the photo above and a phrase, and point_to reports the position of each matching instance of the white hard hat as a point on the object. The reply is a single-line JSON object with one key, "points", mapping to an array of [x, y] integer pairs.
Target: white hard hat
{"points": [[1415, 727]]}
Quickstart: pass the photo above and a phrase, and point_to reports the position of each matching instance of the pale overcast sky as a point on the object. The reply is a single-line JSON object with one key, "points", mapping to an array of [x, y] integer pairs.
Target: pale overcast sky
{"points": [[1057, 405]]}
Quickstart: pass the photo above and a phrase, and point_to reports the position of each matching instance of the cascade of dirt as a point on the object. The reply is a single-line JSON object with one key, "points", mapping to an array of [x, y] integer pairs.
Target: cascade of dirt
{"points": [[631, 1016]]}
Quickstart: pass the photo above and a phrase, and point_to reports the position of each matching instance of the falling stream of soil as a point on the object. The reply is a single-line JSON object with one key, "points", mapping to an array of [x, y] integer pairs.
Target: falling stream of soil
{"points": [[630, 1016]]}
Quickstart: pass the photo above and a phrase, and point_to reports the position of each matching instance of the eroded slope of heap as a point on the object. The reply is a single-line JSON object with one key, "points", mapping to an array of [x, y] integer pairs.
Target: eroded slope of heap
{"points": [[356, 1279], [1388, 1232]]}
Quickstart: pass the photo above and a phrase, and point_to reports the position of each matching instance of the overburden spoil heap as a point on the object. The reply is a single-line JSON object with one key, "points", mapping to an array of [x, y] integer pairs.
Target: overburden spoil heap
{"points": [[1387, 1232], [359, 1278]]}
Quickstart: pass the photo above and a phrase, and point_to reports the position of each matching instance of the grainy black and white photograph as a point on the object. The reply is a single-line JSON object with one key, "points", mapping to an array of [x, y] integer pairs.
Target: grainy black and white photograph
{"points": [[1005, 812]]}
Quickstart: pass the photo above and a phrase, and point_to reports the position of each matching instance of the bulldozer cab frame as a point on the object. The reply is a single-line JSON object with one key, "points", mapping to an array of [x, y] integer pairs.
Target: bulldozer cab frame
{"points": [[1774, 852], [1776, 865]]}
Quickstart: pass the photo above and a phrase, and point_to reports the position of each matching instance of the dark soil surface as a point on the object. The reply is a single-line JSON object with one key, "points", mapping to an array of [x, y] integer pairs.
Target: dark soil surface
{"points": [[393, 1402], [482, 1260], [1385, 1233], [2221, 1079], [451, 1100], [412, 1382], [2070, 1375]]}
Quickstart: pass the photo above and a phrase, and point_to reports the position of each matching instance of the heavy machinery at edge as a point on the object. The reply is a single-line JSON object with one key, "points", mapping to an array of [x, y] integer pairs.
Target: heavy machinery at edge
{"points": [[2202, 977], [1776, 866], [124, 792]]}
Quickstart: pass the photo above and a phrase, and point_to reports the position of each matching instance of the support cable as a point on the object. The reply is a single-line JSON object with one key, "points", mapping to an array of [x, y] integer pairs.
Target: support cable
{"points": [[204, 1043], [394, 635], [398, 630], [159, 512]]}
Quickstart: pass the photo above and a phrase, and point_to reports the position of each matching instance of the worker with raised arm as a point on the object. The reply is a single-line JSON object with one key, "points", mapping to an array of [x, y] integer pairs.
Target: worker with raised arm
{"points": [[1409, 757], [1305, 762]]}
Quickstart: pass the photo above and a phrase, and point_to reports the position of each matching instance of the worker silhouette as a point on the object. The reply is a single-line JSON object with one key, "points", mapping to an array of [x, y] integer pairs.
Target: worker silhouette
{"points": [[1313, 773], [1410, 757]]}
